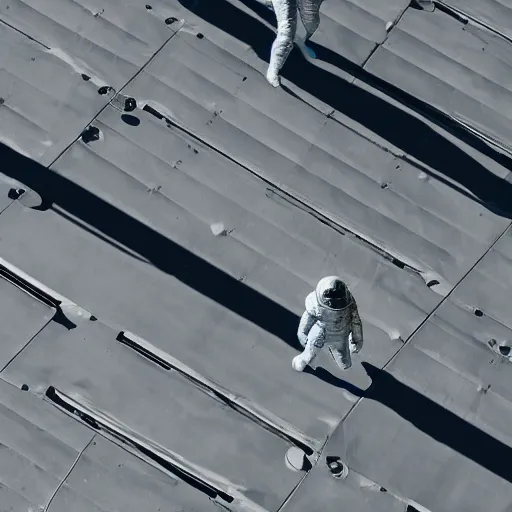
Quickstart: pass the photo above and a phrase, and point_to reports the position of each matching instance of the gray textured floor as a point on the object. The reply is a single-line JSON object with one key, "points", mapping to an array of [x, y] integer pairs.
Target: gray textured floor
{"points": [[154, 259]]}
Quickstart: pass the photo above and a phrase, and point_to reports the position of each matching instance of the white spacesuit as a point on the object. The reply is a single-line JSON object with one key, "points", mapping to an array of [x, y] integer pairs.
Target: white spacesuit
{"points": [[330, 318], [286, 14]]}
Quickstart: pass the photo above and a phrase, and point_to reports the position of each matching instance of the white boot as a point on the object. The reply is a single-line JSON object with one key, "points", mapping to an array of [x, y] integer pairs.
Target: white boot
{"points": [[298, 363]]}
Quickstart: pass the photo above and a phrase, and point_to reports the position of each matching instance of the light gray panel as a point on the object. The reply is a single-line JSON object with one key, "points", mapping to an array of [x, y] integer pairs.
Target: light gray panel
{"points": [[416, 449], [272, 258], [496, 14], [22, 317], [162, 407], [458, 68], [318, 160], [112, 479], [46, 103], [38, 446], [321, 491], [49, 81], [487, 288]]}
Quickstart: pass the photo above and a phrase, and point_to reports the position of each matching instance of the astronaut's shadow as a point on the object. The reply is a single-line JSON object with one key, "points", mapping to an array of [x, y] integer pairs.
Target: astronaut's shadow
{"points": [[413, 136], [326, 376], [431, 418]]}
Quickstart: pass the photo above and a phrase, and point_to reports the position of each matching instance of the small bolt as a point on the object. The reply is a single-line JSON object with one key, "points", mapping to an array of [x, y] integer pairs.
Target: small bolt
{"points": [[170, 21], [85, 77], [200, 36], [148, 7], [90, 134], [104, 89], [130, 104], [24, 387]]}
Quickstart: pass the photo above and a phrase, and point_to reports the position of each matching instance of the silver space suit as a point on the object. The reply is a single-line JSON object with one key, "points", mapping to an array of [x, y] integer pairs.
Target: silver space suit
{"points": [[331, 317], [286, 14]]}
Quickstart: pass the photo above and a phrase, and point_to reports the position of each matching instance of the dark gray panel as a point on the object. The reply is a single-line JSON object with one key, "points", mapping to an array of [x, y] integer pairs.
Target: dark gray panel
{"points": [[108, 478], [458, 68], [22, 317], [38, 446], [162, 407]]}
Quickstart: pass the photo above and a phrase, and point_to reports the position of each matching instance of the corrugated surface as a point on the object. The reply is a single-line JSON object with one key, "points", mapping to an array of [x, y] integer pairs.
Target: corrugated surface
{"points": [[201, 219], [107, 478], [162, 407], [496, 14], [49, 83], [38, 447], [458, 68]]}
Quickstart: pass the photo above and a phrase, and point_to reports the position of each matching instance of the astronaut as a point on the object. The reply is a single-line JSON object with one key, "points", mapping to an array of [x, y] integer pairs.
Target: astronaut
{"points": [[286, 14], [330, 320]]}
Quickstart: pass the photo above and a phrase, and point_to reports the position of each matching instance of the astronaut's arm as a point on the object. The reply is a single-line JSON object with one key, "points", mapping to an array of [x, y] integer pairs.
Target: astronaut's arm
{"points": [[357, 330], [306, 322]]}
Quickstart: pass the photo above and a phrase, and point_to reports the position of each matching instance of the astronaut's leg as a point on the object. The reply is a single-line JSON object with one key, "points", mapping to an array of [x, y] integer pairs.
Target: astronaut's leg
{"points": [[286, 14], [316, 339], [310, 14], [341, 355]]}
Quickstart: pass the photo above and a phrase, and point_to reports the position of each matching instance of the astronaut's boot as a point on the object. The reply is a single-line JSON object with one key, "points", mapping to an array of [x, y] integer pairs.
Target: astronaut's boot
{"points": [[306, 51], [273, 78]]}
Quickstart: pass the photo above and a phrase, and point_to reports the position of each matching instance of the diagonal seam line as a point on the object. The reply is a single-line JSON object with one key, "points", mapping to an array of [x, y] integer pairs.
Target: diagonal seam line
{"points": [[130, 80], [393, 357], [47, 507], [431, 314]]}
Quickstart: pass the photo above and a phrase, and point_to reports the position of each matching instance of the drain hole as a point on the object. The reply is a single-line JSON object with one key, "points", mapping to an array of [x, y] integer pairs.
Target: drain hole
{"points": [[130, 120], [24, 387], [434, 282], [85, 77], [383, 489], [479, 313], [170, 21], [148, 7], [336, 467], [504, 350], [200, 36]]}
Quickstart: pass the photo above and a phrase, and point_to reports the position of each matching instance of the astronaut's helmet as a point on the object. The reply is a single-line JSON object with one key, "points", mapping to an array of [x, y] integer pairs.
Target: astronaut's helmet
{"points": [[332, 292]]}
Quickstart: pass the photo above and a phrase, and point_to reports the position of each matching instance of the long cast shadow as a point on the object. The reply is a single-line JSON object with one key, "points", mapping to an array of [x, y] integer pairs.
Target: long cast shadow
{"points": [[403, 130], [163, 253], [200, 275], [431, 418]]}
